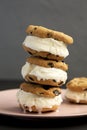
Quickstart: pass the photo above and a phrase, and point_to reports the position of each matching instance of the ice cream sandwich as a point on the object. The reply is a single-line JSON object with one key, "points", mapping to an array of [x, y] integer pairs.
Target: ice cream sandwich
{"points": [[76, 90], [38, 98], [46, 72], [47, 43]]}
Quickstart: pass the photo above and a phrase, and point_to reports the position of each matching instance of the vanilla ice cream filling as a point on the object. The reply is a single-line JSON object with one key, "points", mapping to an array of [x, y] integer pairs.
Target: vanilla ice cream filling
{"points": [[29, 99], [47, 45], [77, 96], [44, 73]]}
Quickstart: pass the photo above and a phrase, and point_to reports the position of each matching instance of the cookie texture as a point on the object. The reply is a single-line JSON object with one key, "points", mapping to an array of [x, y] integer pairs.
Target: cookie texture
{"points": [[50, 82], [47, 63], [77, 84], [34, 109], [48, 33], [40, 90], [42, 54]]}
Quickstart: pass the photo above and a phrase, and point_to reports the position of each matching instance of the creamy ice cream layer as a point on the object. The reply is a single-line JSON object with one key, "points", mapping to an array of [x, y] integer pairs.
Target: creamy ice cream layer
{"points": [[47, 45], [44, 73], [77, 96], [30, 99]]}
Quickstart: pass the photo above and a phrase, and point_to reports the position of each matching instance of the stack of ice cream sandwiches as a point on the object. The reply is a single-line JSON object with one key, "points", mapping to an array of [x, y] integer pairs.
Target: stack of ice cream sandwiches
{"points": [[44, 71]]}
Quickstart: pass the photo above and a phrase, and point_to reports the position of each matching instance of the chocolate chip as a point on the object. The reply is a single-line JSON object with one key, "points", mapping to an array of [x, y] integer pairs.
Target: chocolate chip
{"points": [[25, 106], [56, 92], [30, 53], [61, 82], [54, 80], [57, 55], [31, 78], [56, 38], [85, 89], [51, 64], [30, 32], [49, 35], [35, 28]]}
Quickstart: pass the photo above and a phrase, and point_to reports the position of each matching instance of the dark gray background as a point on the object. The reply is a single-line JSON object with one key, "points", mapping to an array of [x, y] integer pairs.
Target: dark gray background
{"points": [[68, 16]]}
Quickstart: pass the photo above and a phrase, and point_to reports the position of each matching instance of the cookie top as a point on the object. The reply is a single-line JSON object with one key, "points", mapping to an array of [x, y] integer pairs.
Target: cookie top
{"points": [[43, 32], [47, 63], [41, 90], [77, 84]]}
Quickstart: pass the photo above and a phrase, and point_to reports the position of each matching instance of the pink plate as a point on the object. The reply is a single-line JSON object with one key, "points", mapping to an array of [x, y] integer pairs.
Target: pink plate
{"points": [[9, 106]]}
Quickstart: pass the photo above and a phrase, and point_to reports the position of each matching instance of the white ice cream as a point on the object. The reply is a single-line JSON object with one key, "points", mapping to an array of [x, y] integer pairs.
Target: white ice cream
{"points": [[47, 45], [77, 96], [44, 73], [30, 99]]}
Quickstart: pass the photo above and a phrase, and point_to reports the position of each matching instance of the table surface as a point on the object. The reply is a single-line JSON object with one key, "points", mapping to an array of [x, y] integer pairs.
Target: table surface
{"points": [[14, 123]]}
